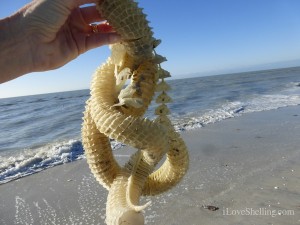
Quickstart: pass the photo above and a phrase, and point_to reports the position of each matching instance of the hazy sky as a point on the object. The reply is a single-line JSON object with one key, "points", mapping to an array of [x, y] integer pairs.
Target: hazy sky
{"points": [[204, 37]]}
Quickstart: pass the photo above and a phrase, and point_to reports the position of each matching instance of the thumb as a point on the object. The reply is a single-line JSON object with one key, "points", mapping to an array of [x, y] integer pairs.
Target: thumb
{"points": [[100, 39]]}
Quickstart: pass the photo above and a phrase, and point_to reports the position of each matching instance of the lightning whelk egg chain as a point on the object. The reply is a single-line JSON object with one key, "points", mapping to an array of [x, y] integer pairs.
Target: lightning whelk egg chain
{"points": [[116, 112]]}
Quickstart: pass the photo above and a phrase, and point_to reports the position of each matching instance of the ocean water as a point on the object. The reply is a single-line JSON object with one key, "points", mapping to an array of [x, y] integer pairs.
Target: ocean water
{"points": [[42, 131]]}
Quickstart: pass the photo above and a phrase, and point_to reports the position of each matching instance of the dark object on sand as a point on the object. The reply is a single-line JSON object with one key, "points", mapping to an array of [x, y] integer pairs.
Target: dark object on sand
{"points": [[210, 207]]}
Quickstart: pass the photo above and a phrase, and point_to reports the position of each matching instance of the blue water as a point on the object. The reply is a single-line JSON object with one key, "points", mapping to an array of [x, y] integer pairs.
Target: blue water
{"points": [[42, 131]]}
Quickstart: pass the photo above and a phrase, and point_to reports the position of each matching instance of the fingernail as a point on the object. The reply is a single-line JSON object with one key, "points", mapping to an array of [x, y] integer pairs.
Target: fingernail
{"points": [[114, 38]]}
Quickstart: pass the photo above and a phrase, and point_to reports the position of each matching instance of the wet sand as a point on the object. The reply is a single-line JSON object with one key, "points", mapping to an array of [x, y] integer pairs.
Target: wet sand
{"points": [[243, 170]]}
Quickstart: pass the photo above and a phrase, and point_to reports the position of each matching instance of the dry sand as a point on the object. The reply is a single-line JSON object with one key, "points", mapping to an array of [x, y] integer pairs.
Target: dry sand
{"points": [[246, 167]]}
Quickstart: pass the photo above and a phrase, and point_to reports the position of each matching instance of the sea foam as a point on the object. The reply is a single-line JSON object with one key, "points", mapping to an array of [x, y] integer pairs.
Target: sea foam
{"points": [[31, 161]]}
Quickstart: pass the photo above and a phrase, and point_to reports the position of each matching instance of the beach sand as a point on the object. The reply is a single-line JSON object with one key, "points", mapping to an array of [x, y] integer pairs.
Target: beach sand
{"points": [[246, 167]]}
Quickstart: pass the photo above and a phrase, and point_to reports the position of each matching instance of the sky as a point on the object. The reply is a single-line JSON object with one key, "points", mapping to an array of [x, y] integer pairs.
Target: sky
{"points": [[198, 38]]}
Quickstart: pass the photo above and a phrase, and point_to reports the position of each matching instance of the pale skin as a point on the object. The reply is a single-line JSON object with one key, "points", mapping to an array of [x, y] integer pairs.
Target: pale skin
{"points": [[47, 34]]}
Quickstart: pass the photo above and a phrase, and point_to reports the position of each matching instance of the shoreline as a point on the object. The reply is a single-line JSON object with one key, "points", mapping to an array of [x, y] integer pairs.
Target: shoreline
{"points": [[239, 164]]}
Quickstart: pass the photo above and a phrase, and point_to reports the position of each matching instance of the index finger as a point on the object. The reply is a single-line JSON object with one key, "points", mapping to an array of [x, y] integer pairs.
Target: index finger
{"points": [[90, 14]]}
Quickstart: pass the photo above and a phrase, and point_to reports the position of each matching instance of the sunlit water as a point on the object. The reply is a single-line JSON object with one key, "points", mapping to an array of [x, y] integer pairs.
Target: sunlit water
{"points": [[42, 131]]}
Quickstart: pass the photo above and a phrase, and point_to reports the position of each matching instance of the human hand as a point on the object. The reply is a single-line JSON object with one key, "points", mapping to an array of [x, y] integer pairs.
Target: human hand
{"points": [[58, 31]]}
